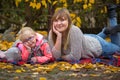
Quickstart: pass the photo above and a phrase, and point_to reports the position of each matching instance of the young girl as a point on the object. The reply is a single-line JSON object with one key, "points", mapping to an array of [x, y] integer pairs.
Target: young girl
{"points": [[31, 47], [69, 43]]}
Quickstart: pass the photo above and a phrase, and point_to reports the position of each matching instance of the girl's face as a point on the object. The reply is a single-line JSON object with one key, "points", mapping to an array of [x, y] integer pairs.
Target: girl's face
{"points": [[60, 24], [30, 41]]}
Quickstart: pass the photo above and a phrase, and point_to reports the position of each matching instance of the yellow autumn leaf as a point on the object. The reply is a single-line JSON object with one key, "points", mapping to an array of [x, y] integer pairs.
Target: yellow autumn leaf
{"points": [[105, 9], [73, 74], [17, 2], [73, 21], [42, 78], [5, 42], [85, 6], [78, 20], [107, 71], [117, 1], [65, 5], [4, 48], [7, 67], [43, 33], [113, 69], [72, 15], [89, 5], [108, 39], [0, 36], [44, 3], [18, 71], [63, 1], [85, 1], [34, 1], [3, 45], [92, 1], [77, 1], [53, 66], [57, 9], [84, 75], [94, 75], [62, 62], [80, 0], [23, 70], [37, 69], [101, 11], [89, 66], [64, 66], [32, 4], [26, 0], [54, 2], [28, 65], [49, 1], [76, 65], [38, 5], [78, 24], [73, 67], [74, 1]]}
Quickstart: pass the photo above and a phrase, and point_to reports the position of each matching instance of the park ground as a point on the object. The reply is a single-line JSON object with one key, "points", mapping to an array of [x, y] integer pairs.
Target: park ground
{"points": [[59, 71]]}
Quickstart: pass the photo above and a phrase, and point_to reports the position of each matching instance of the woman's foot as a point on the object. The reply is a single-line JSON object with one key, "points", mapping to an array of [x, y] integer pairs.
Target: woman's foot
{"points": [[111, 8]]}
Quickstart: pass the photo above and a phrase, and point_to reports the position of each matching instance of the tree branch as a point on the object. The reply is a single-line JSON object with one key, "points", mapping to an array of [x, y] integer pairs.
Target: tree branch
{"points": [[10, 21]]}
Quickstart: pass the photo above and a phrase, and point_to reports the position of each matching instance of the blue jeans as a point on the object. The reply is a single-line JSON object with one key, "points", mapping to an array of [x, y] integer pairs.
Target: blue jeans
{"points": [[109, 48], [115, 38]]}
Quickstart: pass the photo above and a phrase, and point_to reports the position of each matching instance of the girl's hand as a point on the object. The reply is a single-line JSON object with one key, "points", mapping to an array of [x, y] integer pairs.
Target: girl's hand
{"points": [[34, 59], [28, 48]]}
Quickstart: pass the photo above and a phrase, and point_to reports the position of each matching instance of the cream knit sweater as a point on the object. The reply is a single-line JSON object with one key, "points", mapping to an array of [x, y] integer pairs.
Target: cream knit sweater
{"points": [[79, 46]]}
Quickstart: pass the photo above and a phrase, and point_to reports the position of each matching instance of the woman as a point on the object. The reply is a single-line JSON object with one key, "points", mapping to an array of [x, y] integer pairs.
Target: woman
{"points": [[69, 43], [30, 48]]}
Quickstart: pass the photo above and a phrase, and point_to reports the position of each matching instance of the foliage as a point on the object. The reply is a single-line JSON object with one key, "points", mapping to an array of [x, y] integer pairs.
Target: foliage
{"points": [[37, 13]]}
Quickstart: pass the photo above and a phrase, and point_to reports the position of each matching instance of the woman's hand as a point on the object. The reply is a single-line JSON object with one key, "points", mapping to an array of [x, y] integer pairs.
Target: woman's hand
{"points": [[55, 31]]}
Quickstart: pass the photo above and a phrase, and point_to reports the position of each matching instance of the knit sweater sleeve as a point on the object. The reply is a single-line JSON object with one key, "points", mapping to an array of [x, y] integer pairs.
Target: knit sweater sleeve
{"points": [[76, 44], [56, 53]]}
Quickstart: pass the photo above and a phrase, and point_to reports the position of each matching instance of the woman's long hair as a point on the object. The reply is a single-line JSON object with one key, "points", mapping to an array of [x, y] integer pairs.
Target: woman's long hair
{"points": [[59, 14]]}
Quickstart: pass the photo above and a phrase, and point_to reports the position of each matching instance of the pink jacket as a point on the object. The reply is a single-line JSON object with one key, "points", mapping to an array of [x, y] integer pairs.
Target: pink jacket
{"points": [[42, 51]]}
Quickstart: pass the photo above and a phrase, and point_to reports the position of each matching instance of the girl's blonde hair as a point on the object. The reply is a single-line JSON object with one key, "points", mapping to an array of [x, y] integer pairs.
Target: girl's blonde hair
{"points": [[25, 33], [59, 14]]}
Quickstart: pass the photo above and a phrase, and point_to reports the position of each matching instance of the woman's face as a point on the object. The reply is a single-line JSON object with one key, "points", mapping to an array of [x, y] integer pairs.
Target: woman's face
{"points": [[60, 24], [30, 41]]}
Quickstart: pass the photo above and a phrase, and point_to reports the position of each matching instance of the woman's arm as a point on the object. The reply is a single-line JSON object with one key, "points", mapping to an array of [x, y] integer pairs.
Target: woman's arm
{"points": [[56, 47], [77, 42]]}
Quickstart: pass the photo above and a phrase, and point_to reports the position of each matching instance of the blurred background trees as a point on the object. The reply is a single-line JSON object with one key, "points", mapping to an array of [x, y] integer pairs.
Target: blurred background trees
{"points": [[89, 15]]}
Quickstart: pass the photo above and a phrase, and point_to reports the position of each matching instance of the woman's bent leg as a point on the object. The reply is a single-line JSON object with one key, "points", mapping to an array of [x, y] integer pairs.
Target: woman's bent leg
{"points": [[102, 34], [115, 38]]}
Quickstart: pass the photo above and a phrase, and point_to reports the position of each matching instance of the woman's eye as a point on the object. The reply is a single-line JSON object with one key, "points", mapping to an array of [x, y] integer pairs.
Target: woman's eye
{"points": [[56, 20], [62, 19]]}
